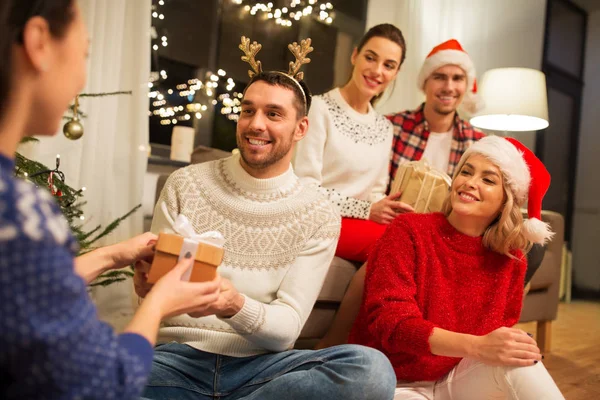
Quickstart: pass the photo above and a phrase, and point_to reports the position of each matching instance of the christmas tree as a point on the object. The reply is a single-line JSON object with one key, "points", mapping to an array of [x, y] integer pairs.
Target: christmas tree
{"points": [[71, 200]]}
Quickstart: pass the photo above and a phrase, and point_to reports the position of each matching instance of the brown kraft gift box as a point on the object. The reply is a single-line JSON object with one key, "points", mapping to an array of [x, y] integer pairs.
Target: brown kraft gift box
{"points": [[423, 187], [206, 260]]}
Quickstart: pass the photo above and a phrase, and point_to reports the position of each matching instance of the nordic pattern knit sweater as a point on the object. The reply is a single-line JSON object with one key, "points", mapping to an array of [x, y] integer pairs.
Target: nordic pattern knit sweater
{"points": [[346, 154], [422, 274], [280, 239], [52, 344]]}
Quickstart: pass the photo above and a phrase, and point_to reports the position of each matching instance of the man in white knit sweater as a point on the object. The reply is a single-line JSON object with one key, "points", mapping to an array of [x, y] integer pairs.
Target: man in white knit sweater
{"points": [[280, 239]]}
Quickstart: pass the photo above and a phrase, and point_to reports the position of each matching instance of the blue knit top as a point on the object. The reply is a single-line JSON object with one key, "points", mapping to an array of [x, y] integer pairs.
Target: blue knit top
{"points": [[52, 344]]}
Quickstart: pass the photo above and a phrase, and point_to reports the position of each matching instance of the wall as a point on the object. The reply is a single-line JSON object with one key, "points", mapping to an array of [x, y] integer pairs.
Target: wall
{"points": [[496, 34], [586, 223]]}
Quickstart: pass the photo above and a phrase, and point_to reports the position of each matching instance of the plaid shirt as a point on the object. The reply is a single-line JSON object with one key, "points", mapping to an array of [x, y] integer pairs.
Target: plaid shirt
{"points": [[411, 132]]}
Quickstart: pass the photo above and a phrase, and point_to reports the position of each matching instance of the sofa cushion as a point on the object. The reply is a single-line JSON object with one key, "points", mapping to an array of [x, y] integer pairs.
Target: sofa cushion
{"points": [[319, 321], [337, 280], [546, 275], [549, 272], [202, 154]]}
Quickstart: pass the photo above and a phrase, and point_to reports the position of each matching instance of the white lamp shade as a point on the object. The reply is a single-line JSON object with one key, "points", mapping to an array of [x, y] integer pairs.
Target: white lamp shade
{"points": [[515, 100]]}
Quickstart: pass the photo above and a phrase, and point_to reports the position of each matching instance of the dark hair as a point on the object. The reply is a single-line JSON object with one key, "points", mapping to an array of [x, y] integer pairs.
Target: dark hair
{"points": [[276, 78], [387, 31], [14, 15]]}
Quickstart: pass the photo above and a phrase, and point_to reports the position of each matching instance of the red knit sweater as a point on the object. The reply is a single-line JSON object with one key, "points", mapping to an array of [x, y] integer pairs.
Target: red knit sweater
{"points": [[422, 274]]}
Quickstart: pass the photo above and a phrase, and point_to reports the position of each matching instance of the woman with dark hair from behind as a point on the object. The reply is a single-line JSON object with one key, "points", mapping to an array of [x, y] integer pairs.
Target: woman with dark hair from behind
{"points": [[52, 344]]}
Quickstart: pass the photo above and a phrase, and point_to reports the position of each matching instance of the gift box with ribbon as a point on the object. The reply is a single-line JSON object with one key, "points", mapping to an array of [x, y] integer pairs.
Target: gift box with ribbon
{"points": [[206, 249], [423, 187]]}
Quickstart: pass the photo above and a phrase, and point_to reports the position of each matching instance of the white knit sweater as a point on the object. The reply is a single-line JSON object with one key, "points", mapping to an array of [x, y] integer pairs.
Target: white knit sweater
{"points": [[280, 239], [346, 153]]}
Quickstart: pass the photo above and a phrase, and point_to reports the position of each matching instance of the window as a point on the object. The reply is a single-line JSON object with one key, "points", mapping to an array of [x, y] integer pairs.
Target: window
{"points": [[203, 36]]}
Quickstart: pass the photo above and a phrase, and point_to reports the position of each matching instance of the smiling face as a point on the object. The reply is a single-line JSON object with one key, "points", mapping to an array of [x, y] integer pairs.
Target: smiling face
{"points": [[267, 129], [376, 65], [478, 190], [445, 89]]}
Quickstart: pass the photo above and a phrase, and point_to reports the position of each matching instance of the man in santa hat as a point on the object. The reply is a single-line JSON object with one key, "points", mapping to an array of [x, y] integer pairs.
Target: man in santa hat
{"points": [[434, 130]]}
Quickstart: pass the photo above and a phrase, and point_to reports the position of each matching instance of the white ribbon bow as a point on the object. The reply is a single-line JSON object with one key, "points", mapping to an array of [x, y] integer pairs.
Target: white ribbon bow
{"points": [[183, 227]]}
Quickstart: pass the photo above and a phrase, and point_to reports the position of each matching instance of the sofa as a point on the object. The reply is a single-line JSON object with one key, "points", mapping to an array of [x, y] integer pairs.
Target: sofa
{"points": [[540, 303]]}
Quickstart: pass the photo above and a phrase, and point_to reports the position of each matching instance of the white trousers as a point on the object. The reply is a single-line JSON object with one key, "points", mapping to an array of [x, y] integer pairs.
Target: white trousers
{"points": [[473, 380]]}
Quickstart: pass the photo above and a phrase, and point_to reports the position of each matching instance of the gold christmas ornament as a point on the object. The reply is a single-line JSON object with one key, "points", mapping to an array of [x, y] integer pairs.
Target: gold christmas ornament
{"points": [[73, 129]]}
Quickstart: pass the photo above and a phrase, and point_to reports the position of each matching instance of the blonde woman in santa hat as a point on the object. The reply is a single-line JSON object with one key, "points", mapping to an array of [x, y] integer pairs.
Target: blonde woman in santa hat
{"points": [[346, 150], [444, 290]]}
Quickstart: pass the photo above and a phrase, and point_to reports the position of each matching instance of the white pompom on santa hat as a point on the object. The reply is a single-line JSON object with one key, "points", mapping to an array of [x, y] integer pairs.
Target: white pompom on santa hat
{"points": [[452, 53], [526, 176]]}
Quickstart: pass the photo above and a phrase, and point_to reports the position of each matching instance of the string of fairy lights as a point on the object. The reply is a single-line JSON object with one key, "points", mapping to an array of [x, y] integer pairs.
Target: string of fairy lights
{"points": [[54, 180], [192, 90], [200, 93], [297, 9], [157, 13]]}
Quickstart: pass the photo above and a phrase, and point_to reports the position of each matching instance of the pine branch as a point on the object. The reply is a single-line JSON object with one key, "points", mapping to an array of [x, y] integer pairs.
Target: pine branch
{"points": [[115, 274], [80, 113], [108, 278], [106, 282], [86, 235], [28, 139], [26, 168], [113, 225], [71, 204], [105, 94], [83, 115]]}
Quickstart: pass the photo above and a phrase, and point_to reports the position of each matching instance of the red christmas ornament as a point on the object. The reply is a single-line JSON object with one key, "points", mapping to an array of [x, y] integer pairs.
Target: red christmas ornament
{"points": [[53, 189], [51, 183]]}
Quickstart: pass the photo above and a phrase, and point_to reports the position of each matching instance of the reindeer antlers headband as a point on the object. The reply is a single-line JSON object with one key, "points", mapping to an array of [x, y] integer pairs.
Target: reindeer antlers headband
{"points": [[298, 50]]}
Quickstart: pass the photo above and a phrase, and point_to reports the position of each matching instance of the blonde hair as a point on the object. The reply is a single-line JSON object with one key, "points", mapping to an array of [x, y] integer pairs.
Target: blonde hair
{"points": [[505, 233]]}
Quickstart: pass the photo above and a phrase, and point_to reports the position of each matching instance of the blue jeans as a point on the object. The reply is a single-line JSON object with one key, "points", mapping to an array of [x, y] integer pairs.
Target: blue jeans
{"points": [[345, 372]]}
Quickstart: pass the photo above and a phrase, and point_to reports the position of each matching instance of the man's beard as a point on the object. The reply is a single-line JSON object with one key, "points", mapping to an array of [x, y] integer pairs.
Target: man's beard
{"points": [[276, 154], [444, 112]]}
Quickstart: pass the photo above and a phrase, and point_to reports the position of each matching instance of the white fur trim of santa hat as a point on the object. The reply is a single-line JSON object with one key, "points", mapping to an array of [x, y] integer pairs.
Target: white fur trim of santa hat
{"points": [[508, 158], [537, 231]]}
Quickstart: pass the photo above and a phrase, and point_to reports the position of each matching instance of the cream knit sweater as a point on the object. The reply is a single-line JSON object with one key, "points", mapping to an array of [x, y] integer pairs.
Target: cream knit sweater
{"points": [[280, 239], [346, 153]]}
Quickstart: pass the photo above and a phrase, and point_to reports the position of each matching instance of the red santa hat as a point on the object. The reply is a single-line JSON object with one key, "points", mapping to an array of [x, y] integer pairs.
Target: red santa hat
{"points": [[526, 176], [451, 53]]}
